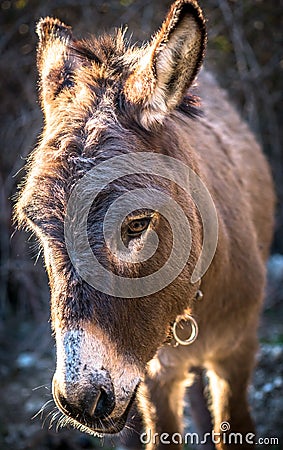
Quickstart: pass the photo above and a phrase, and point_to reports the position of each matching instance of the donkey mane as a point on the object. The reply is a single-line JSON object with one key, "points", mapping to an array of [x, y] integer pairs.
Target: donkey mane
{"points": [[109, 53]]}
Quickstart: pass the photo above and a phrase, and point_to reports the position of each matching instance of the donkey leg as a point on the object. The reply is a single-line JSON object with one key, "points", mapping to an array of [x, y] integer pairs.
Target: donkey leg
{"points": [[199, 409], [161, 401], [229, 379]]}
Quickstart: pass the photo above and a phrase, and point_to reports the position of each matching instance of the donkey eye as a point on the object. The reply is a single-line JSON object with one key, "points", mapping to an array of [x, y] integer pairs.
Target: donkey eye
{"points": [[137, 226]]}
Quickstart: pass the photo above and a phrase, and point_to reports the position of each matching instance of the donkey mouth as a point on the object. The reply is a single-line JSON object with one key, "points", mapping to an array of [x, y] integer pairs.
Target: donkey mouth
{"points": [[103, 425], [110, 425]]}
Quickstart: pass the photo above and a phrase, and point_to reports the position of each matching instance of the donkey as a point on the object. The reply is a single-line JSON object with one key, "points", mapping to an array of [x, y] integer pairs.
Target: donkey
{"points": [[130, 122]]}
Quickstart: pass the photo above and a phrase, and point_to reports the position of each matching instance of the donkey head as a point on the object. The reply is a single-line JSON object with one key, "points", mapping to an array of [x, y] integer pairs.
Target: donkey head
{"points": [[106, 103]]}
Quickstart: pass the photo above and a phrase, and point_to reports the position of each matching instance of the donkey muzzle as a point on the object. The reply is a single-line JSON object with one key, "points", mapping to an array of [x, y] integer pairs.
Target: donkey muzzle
{"points": [[94, 399], [93, 384]]}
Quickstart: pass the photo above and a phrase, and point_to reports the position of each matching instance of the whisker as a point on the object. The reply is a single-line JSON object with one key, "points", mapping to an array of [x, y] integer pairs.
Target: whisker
{"points": [[48, 415], [131, 428], [53, 419], [42, 386], [61, 422], [37, 257], [42, 409]]}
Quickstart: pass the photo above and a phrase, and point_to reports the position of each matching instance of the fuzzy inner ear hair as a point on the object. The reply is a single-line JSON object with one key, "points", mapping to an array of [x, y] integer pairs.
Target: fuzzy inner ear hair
{"points": [[49, 28], [169, 65], [182, 36], [54, 62]]}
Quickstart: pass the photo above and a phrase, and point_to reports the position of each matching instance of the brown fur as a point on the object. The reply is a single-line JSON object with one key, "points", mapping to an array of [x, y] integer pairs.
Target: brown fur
{"points": [[103, 98]]}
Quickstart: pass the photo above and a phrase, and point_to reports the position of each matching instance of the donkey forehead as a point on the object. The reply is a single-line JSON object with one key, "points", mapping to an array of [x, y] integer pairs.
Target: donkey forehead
{"points": [[93, 68], [71, 152], [50, 187]]}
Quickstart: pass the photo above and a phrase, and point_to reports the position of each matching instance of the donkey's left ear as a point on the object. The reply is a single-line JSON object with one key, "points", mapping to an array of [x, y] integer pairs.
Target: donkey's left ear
{"points": [[169, 64], [54, 61]]}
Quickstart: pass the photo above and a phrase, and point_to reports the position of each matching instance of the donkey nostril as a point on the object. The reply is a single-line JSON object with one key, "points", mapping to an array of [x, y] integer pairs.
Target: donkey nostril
{"points": [[94, 405], [103, 404], [94, 401]]}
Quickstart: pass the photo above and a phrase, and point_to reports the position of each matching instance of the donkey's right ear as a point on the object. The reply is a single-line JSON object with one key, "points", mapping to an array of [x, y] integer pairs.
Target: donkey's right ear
{"points": [[54, 61]]}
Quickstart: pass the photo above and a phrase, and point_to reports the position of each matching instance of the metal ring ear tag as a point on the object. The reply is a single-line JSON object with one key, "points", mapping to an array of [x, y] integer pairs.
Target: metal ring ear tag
{"points": [[194, 332]]}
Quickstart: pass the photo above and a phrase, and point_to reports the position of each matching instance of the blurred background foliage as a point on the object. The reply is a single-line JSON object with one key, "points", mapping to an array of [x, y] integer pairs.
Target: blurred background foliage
{"points": [[244, 51]]}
